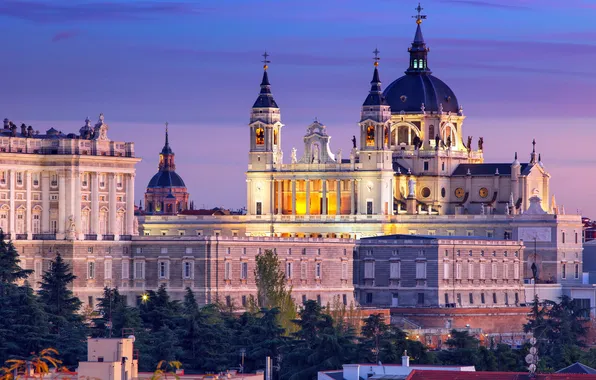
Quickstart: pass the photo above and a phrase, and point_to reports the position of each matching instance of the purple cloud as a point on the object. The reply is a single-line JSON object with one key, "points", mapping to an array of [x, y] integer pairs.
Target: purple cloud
{"points": [[61, 11], [64, 35]]}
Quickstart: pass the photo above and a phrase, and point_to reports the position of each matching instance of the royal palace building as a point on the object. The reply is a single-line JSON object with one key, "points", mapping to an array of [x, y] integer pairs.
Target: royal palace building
{"points": [[412, 170]]}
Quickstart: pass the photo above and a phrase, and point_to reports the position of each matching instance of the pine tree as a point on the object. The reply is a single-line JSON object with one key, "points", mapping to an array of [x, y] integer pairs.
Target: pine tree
{"points": [[67, 325], [10, 270]]}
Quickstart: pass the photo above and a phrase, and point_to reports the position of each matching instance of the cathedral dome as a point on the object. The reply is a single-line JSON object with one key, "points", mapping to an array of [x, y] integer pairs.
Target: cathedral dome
{"points": [[409, 92], [418, 86], [166, 179]]}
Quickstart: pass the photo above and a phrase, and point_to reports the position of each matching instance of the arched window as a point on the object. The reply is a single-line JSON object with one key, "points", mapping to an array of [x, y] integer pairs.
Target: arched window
{"points": [[431, 132], [275, 137], [370, 135], [403, 135], [386, 136], [415, 63], [260, 136]]}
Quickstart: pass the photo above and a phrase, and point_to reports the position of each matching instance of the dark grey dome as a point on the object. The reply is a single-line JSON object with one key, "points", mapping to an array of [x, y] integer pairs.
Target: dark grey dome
{"points": [[409, 92], [166, 179]]}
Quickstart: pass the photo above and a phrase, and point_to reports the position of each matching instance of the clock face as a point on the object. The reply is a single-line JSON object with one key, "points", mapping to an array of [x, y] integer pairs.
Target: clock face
{"points": [[483, 192], [459, 192]]}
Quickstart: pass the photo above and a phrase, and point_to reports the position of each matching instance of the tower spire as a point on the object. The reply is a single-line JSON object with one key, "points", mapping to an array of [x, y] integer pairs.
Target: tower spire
{"points": [[418, 50], [533, 155], [375, 96], [166, 148], [265, 99]]}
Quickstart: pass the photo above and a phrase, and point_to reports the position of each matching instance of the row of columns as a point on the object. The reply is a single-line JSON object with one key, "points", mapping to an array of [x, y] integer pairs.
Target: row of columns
{"points": [[324, 209], [70, 203]]}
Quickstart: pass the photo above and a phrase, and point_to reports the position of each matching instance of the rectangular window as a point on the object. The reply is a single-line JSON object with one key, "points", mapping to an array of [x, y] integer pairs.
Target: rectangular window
{"points": [[459, 299], [471, 296], [563, 271], [228, 301], [227, 270], [162, 269], [469, 233], [319, 299], [458, 271], [139, 270], [394, 270], [243, 301], [303, 299], [303, 269], [188, 250], [482, 271], [259, 208], [446, 270], [493, 271], [494, 297], [420, 298], [107, 266], [506, 270], [164, 251], [489, 234], [91, 270], [517, 298], [516, 271], [507, 235], [482, 301], [244, 271], [446, 298], [318, 270], [576, 238], [345, 299], [19, 178], [563, 237], [344, 271], [289, 270], [470, 270], [425, 165], [576, 270], [421, 270], [506, 298], [187, 271], [369, 207], [125, 269], [369, 298], [38, 270], [369, 269]]}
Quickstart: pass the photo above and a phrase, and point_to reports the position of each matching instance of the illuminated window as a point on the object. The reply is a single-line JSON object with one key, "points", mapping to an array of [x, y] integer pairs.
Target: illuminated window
{"points": [[275, 136], [370, 135], [260, 136], [415, 63]]}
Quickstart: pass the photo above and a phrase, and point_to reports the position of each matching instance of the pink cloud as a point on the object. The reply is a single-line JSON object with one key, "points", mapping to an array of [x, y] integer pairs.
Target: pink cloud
{"points": [[64, 35]]}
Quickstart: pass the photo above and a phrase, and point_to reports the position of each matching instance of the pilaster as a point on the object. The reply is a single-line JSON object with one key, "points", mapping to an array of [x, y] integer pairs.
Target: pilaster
{"points": [[28, 215]]}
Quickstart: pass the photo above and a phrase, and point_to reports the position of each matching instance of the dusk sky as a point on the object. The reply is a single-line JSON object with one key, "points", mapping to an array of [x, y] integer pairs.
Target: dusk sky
{"points": [[521, 69]]}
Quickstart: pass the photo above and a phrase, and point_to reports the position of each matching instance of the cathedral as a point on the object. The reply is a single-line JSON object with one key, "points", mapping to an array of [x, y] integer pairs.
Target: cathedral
{"points": [[412, 170]]}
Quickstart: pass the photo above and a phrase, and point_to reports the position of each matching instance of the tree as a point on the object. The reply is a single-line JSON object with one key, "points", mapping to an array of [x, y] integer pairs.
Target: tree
{"points": [[272, 290], [67, 325], [373, 332], [463, 349], [10, 270]]}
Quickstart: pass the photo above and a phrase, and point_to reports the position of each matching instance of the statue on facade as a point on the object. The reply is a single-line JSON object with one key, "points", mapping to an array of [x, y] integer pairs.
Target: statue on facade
{"points": [[338, 156], [135, 226], [411, 188], [480, 143], [448, 141], [315, 154], [482, 210], [441, 108], [423, 108], [437, 142], [71, 228], [354, 142], [294, 159], [469, 144], [416, 142]]}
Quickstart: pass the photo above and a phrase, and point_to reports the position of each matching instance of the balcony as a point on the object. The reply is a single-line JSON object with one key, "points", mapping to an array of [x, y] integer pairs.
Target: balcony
{"points": [[44, 236], [90, 236], [108, 237], [125, 237], [21, 236]]}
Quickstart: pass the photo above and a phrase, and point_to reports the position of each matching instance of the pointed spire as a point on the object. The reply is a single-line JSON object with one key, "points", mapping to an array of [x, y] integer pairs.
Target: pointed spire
{"points": [[166, 148], [265, 99], [418, 50], [375, 96], [533, 155]]}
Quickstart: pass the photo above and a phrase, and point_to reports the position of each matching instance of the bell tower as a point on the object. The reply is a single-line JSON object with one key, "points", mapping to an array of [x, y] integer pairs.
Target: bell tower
{"points": [[375, 125], [265, 127]]}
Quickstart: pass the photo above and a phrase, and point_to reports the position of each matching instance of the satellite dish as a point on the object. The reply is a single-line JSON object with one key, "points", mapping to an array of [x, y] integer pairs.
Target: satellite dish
{"points": [[530, 359], [532, 341], [532, 367], [533, 350], [132, 337]]}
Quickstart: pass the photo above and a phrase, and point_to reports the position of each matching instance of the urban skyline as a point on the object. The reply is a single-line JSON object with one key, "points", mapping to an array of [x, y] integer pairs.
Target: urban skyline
{"points": [[161, 61]]}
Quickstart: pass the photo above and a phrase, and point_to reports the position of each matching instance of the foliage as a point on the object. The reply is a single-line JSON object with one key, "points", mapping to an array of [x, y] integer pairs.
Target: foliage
{"points": [[10, 270], [40, 364], [166, 370]]}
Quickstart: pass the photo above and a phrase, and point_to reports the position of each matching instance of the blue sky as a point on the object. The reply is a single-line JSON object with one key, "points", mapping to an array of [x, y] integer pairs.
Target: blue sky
{"points": [[521, 70]]}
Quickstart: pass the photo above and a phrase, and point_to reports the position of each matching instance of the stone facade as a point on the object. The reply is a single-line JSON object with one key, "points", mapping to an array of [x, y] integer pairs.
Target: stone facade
{"points": [[401, 270]]}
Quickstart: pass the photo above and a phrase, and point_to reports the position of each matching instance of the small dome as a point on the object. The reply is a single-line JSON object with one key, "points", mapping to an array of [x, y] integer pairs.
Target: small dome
{"points": [[165, 179], [409, 92]]}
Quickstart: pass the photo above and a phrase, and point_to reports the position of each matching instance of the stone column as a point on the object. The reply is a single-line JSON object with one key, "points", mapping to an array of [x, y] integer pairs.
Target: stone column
{"points": [[45, 202], [248, 197], [280, 202], [113, 228], [130, 204], [94, 203], [29, 214], [307, 183], [271, 197], [293, 197], [338, 197], [12, 196], [352, 197], [324, 202], [61, 203], [77, 204]]}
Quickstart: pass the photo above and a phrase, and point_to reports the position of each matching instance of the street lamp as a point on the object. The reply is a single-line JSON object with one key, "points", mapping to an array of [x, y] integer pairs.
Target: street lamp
{"points": [[145, 297]]}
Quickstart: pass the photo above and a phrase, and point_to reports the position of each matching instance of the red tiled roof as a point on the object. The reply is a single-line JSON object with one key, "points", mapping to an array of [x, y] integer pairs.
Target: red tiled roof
{"points": [[452, 375]]}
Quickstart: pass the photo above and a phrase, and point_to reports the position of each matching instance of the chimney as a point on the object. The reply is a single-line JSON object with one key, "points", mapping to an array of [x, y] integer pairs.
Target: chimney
{"points": [[405, 359]]}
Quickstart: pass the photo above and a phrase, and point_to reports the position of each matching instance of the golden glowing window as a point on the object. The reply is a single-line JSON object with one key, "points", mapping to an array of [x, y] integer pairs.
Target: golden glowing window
{"points": [[386, 136], [260, 136], [370, 135], [275, 137]]}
